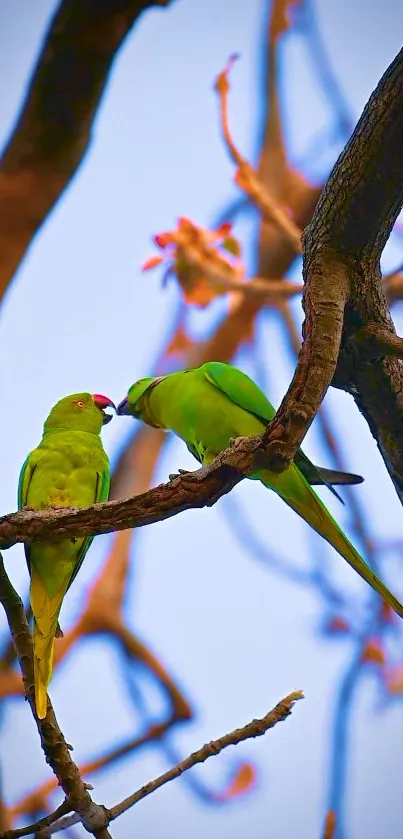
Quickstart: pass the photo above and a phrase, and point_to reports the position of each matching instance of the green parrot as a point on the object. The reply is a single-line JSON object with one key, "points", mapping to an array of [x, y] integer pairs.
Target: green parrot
{"points": [[69, 468], [206, 407]]}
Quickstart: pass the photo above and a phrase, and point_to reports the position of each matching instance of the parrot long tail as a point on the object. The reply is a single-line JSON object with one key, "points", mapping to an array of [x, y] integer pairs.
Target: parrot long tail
{"points": [[46, 611], [296, 492]]}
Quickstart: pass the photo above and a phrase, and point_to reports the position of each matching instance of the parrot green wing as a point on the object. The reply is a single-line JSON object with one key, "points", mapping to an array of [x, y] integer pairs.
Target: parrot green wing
{"points": [[243, 391], [27, 470], [240, 389], [102, 487], [192, 449]]}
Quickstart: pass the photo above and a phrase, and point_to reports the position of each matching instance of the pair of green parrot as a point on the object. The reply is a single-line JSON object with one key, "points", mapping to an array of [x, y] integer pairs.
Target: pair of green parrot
{"points": [[204, 406]]}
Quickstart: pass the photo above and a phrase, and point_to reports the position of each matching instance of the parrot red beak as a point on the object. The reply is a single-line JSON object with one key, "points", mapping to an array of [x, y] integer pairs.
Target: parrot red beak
{"points": [[103, 402]]}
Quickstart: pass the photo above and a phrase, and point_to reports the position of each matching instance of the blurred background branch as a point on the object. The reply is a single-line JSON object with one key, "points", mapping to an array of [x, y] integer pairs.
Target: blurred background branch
{"points": [[54, 128]]}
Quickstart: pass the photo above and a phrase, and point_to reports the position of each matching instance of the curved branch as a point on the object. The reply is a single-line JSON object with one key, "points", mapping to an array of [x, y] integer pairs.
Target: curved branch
{"points": [[256, 728], [343, 286], [194, 489]]}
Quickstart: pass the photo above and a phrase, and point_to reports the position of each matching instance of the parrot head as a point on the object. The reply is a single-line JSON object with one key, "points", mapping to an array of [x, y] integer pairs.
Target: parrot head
{"points": [[80, 412], [131, 406]]}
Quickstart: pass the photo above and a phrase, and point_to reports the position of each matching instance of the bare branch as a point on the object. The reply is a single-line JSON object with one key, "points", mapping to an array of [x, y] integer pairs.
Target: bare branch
{"points": [[39, 825], [53, 131], [330, 825], [5, 821], [393, 285], [194, 489], [253, 729], [375, 341], [247, 178]]}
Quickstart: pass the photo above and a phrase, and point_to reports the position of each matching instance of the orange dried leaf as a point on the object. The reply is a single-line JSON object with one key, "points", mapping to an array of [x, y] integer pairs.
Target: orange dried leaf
{"points": [[196, 289], [242, 782], [232, 245], [330, 825], [224, 229], [179, 343], [387, 614], [374, 652], [201, 295], [338, 624], [394, 680], [183, 221], [163, 239], [280, 20], [152, 263]]}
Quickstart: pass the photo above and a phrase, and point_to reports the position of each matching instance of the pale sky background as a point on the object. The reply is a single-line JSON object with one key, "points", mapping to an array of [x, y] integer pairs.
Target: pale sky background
{"points": [[82, 316]]}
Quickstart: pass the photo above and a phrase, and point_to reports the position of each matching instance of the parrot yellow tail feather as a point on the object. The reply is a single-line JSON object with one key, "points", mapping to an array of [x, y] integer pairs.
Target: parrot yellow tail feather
{"points": [[41, 683], [46, 612]]}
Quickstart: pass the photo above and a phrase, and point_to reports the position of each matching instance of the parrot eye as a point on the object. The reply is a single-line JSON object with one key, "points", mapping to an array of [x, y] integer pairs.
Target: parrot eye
{"points": [[80, 404]]}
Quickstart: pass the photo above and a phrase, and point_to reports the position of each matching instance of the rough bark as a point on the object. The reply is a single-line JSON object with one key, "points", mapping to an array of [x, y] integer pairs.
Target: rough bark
{"points": [[343, 287]]}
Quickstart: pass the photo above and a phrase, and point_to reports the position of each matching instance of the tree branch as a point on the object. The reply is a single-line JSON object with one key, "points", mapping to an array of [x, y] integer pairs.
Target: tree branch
{"points": [[253, 729], [246, 177], [53, 131], [39, 825], [343, 285], [93, 816], [194, 489]]}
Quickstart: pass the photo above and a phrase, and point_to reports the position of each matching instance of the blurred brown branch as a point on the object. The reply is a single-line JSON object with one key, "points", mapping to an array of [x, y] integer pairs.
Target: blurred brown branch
{"points": [[256, 728], [246, 177], [207, 263], [39, 825], [393, 285], [53, 130], [330, 826]]}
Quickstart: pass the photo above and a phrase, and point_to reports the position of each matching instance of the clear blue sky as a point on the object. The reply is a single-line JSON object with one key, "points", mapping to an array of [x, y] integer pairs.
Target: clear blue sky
{"points": [[81, 316]]}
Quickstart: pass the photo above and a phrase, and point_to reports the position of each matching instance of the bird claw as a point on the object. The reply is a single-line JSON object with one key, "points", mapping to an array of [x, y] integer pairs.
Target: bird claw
{"points": [[59, 632], [202, 472], [178, 474], [235, 441]]}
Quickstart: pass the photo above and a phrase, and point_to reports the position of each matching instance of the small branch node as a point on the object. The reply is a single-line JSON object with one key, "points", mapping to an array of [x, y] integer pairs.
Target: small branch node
{"points": [[374, 341]]}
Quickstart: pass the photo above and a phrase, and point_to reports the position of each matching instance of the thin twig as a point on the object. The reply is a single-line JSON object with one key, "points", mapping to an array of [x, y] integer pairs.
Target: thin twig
{"points": [[246, 177], [222, 276], [253, 729], [39, 825], [330, 825]]}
